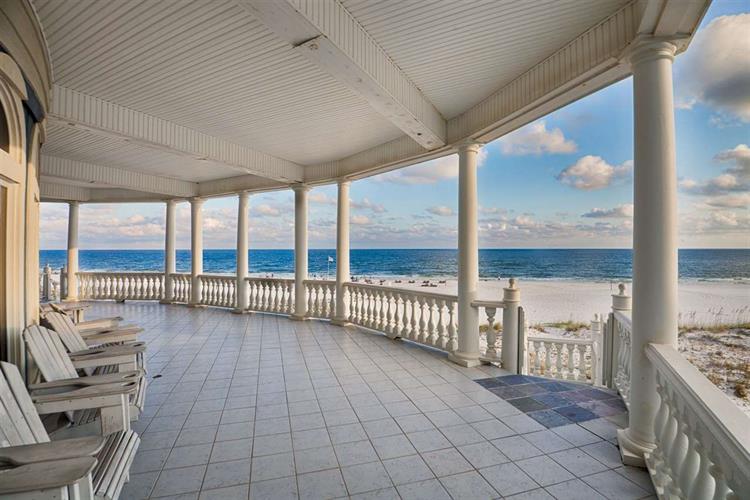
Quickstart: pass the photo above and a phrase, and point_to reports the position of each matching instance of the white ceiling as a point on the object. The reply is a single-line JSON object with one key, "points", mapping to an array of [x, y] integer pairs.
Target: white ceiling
{"points": [[210, 66]]}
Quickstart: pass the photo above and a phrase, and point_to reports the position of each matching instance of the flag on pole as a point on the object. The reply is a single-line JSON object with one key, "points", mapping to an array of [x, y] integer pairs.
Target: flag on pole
{"points": [[330, 259]]}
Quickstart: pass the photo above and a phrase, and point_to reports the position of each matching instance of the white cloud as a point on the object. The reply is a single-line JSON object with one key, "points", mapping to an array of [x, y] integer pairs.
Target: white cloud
{"points": [[715, 70], [366, 204], [536, 139], [618, 212], [441, 210], [430, 172], [593, 172], [360, 220], [741, 200], [321, 198], [265, 210], [734, 179]]}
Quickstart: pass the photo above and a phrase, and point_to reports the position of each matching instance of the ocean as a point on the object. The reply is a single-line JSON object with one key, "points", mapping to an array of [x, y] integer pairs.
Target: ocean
{"points": [[541, 264]]}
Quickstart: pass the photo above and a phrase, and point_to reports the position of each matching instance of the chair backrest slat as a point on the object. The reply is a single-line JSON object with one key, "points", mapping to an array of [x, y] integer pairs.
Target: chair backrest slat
{"points": [[49, 353], [19, 421], [68, 331]]}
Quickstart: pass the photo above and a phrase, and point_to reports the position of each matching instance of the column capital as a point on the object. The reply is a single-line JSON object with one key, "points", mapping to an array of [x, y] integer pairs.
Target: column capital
{"points": [[469, 145], [197, 201], [300, 188], [171, 201], [646, 49], [243, 195], [74, 203], [343, 182]]}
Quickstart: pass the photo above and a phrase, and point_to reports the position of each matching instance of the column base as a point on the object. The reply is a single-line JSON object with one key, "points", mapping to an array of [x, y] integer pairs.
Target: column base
{"points": [[340, 322], [632, 452], [165, 301], [295, 317], [465, 360], [241, 311], [196, 306]]}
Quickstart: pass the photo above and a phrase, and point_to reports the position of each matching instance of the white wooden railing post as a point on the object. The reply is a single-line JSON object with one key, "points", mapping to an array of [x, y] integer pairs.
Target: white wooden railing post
{"points": [[523, 358], [342, 252], [196, 250], [63, 282], [467, 353], [300, 251], [612, 348], [169, 251], [510, 346], [47, 283], [596, 350], [240, 289], [654, 237], [71, 289]]}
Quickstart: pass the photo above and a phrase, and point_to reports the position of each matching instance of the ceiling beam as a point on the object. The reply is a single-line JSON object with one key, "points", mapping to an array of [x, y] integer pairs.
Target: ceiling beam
{"points": [[76, 109], [99, 176], [329, 36], [54, 191]]}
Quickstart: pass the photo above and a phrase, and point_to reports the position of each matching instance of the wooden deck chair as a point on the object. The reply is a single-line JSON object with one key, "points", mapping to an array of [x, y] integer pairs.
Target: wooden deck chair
{"points": [[33, 467], [55, 364], [63, 325], [73, 309], [85, 327]]}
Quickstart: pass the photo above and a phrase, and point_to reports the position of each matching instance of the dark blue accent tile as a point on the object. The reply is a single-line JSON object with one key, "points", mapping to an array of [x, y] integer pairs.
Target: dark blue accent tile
{"points": [[516, 379], [576, 413], [507, 392], [596, 393], [529, 389], [599, 408], [577, 396], [549, 418], [552, 400], [490, 382], [557, 386], [616, 403], [527, 404]]}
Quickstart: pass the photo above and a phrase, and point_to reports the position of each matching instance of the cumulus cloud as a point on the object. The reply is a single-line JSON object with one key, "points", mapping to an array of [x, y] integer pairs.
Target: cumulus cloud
{"points": [[366, 204], [430, 172], [618, 212], [715, 71], [441, 210], [593, 172], [730, 188], [360, 220], [265, 210], [320, 198], [536, 139]]}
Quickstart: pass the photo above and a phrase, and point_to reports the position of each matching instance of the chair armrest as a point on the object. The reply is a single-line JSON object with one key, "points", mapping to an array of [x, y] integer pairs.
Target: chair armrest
{"points": [[99, 324], [119, 330], [110, 337], [110, 378], [45, 475], [95, 396], [51, 451], [106, 351]]}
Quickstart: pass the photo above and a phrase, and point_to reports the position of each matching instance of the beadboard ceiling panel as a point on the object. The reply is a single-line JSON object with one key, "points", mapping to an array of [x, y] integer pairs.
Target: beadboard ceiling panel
{"points": [[82, 145], [211, 66], [459, 52]]}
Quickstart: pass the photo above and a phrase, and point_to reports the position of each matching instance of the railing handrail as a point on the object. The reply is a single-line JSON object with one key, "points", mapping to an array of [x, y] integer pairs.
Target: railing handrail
{"points": [[119, 273], [318, 282], [497, 304], [219, 276], [729, 425], [561, 340], [278, 280], [432, 295], [624, 318]]}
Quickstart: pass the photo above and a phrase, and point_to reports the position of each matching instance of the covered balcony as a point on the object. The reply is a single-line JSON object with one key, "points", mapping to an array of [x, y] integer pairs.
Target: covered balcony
{"points": [[286, 388]]}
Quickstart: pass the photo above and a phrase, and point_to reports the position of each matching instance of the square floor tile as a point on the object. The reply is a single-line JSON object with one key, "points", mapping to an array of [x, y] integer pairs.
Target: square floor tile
{"points": [[468, 485], [612, 485], [446, 462], [176, 481], [552, 400], [547, 441], [323, 484], [393, 446], [508, 479], [272, 467], [231, 450], [219, 475], [407, 469], [516, 447], [313, 438], [549, 418], [365, 477], [270, 445], [347, 433], [575, 413], [185, 456], [357, 452], [430, 489], [575, 489], [578, 462], [274, 489], [482, 454], [315, 459], [544, 470], [428, 440]]}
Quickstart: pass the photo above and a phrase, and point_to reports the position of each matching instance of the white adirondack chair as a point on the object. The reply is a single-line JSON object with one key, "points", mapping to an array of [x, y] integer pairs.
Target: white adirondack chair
{"points": [[57, 366], [104, 333], [33, 467]]}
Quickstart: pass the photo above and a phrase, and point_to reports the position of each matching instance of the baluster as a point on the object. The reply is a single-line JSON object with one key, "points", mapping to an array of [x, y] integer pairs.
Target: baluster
{"points": [[370, 309], [442, 341], [406, 309], [414, 333], [422, 321], [431, 334], [721, 486], [452, 330], [388, 329], [548, 358], [690, 466]]}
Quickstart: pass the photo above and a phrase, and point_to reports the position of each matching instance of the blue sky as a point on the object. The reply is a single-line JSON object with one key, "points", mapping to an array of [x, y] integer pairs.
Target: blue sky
{"points": [[563, 181]]}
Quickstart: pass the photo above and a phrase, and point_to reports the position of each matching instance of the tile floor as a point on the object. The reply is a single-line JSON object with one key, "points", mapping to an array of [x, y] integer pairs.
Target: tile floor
{"points": [[257, 406]]}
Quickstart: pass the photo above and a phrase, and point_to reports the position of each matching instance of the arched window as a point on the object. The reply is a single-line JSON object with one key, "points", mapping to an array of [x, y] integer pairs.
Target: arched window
{"points": [[4, 132]]}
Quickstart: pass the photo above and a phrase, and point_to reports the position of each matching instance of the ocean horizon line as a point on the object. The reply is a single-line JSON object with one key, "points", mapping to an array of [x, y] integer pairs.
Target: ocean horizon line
{"points": [[386, 249]]}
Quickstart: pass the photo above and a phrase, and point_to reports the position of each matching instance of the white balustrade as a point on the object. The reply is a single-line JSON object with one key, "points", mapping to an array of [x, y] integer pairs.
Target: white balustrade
{"points": [[702, 438], [271, 295], [492, 353], [426, 318], [217, 290], [622, 336], [120, 286], [562, 358], [321, 298], [182, 284]]}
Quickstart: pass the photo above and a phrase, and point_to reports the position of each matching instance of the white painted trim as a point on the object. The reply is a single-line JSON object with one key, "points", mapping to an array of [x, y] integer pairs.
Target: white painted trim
{"points": [[71, 108], [329, 36], [52, 166]]}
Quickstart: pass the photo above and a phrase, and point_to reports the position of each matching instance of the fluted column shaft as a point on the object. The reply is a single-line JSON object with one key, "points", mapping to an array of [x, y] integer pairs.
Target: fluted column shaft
{"points": [[169, 250], [196, 249], [342, 250], [72, 290], [241, 297], [300, 251]]}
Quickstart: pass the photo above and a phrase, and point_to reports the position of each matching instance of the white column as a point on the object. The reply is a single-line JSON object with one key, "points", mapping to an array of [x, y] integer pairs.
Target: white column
{"points": [[511, 345], [72, 289], [196, 249], [300, 251], [169, 251], [654, 238], [241, 302], [342, 251], [468, 257]]}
